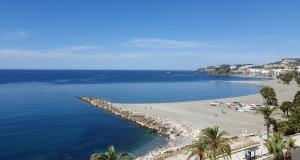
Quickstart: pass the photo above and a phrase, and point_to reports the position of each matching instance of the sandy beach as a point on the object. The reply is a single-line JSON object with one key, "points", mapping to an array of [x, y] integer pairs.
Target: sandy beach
{"points": [[199, 114], [182, 121]]}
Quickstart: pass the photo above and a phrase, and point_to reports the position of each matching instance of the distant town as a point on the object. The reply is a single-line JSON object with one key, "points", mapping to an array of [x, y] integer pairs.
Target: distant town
{"points": [[275, 69]]}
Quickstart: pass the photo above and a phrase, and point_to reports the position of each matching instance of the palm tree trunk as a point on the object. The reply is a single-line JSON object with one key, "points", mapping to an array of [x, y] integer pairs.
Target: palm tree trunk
{"points": [[288, 155]]}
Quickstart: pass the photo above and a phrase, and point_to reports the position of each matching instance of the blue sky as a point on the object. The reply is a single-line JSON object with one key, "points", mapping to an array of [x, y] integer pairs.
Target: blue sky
{"points": [[144, 34]]}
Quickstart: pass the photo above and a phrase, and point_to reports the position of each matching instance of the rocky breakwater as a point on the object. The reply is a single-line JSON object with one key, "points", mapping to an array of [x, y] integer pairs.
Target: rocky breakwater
{"points": [[179, 136]]}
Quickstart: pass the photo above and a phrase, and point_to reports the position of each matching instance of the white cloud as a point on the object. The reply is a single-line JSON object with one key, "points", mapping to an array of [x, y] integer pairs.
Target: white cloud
{"points": [[168, 43], [10, 35], [55, 58], [81, 51], [80, 48]]}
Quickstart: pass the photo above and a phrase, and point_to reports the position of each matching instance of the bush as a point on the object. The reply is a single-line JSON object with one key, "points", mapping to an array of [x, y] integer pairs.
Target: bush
{"points": [[298, 80], [286, 78], [286, 107], [295, 119], [296, 100], [286, 128]]}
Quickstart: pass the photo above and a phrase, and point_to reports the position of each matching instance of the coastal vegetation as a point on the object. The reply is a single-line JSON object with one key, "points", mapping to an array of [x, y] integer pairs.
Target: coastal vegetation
{"points": [[269, 96], [198, 150], [286, 78], [297, 79], [285, 107], [267, 112], [111, 154], [296, 100], [291, 125], [211, 144], [222, 70], [279, 147], [291, 112], [270, 99]]}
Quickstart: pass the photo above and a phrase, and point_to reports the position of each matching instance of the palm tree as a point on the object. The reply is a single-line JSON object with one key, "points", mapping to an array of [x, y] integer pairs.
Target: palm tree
{"points": [[267, 112], [285, 107], [198, 150], [275, 146], [269, 96], [216, 143], [112, 155]]}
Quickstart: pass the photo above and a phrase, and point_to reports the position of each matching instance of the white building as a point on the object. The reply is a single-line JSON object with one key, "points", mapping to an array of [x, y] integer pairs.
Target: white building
{"points": [[259, 71], [233, 67], [253, 70], [277, 72], [266, 72], [246, 67]]}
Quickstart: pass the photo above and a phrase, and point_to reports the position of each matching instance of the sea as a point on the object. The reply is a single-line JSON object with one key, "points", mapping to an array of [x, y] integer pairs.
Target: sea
{"points": [[41, 117]]}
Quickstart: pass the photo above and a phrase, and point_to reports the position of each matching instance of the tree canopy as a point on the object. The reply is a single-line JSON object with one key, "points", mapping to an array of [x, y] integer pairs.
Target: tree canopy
{"points": [[269, 96]]}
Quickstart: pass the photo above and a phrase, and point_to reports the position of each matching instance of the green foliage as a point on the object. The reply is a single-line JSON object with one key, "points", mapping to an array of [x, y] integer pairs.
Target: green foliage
{"points": [[295, 119], [198, 149], [221, 71], [292, 125], [296, 100], [267, 112], [211, 144], [286, 107], [289, 145], [112, 155], [297, 94], [276, 145], [269, 96], [287, 78], [286, 127], [298, 80]]}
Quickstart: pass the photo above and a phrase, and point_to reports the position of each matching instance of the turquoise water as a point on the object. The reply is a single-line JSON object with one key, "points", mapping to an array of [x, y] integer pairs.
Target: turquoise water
{"points": [[41, 118]]}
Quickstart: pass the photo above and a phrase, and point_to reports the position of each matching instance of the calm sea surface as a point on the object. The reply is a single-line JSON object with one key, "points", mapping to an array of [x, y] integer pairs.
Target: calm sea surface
{"points": [[41, 118]]}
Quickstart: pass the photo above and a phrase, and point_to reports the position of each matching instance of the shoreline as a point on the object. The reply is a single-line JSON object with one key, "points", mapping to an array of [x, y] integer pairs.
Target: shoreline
{"points": [[199, 114], [245, 98], [183, 121], [179, 136]]}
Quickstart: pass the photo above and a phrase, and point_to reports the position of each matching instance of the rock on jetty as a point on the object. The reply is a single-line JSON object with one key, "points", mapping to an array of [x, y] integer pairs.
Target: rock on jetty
{"points": [[179, 136]]}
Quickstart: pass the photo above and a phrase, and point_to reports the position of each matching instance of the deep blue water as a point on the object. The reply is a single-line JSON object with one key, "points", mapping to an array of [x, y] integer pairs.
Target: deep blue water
{"points": [[41, 118]]}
